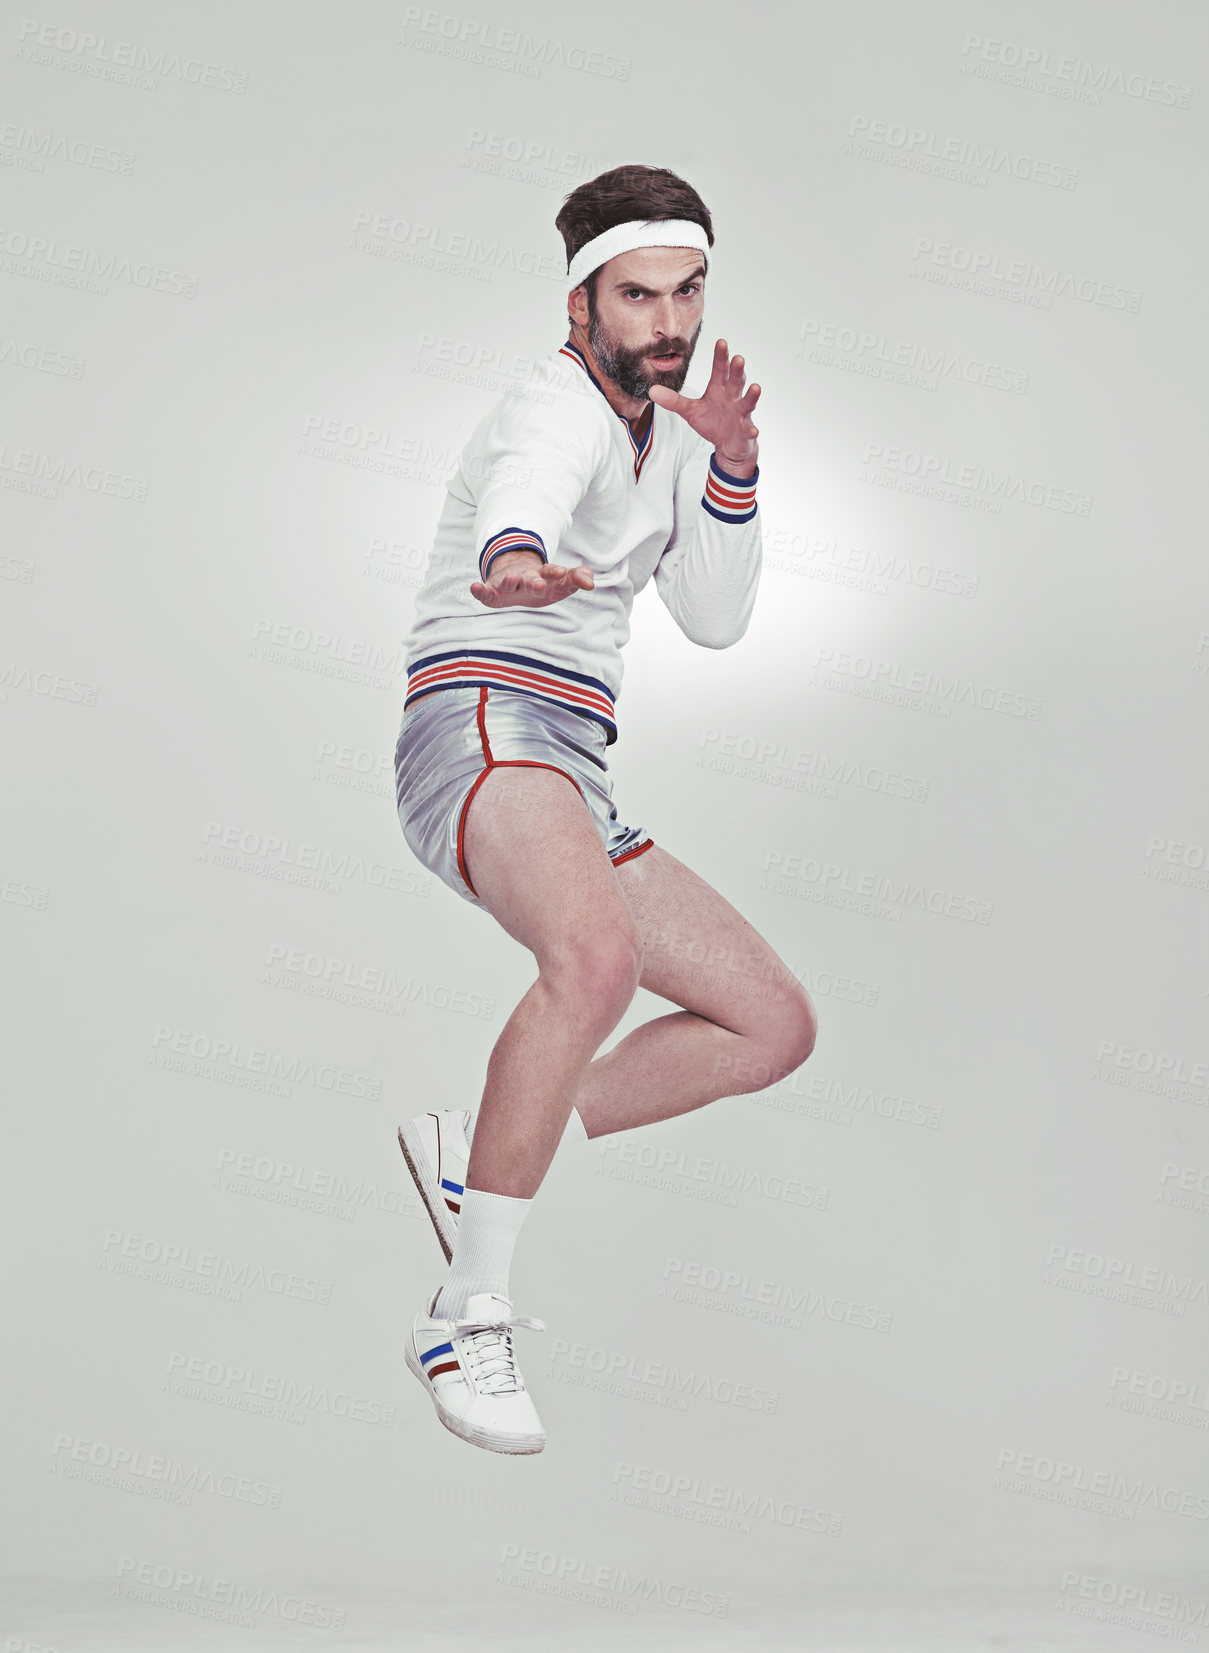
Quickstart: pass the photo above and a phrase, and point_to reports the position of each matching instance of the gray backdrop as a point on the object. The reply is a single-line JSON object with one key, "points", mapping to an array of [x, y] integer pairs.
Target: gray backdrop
{"points": [[907, 1352]]}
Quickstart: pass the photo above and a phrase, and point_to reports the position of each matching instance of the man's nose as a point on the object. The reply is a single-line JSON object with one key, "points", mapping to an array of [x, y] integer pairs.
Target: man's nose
{"points": [[666, 319]]}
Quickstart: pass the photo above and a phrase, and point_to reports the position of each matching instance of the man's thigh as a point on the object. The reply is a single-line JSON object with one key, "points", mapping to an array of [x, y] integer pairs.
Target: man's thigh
{"points": [[702, 954], [538, 863]]}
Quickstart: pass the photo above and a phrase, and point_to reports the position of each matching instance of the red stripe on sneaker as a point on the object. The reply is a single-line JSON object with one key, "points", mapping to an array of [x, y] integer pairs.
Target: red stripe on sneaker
{"points": [[445, 1366]]}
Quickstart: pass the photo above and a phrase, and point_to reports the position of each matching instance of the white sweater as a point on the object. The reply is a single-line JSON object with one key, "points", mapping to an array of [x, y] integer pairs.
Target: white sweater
{"points": [[557, 471]]}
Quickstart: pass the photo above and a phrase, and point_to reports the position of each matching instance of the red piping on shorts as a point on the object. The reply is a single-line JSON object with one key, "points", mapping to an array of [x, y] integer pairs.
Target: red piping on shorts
{"points": [[631, 853], [497, 763]]}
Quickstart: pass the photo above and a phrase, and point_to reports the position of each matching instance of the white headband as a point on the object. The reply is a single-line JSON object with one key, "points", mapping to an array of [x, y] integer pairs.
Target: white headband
{"points": [[637, 232]]}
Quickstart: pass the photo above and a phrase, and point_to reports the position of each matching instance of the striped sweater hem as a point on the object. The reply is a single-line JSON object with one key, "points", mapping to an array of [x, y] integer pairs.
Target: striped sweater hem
{"points": [[523, 673]]}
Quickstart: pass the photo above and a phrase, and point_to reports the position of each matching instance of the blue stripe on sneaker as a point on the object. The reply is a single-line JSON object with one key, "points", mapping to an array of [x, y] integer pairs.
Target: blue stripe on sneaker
{"points": [[441, 1349], [453, 1187]]}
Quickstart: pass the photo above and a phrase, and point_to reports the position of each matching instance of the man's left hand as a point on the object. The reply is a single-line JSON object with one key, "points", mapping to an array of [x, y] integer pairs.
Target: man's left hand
{"points": [[722, 415]]}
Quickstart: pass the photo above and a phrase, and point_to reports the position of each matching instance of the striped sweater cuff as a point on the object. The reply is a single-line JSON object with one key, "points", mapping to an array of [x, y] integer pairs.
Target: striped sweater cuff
{"points": [[729, 498], [509, 539]]}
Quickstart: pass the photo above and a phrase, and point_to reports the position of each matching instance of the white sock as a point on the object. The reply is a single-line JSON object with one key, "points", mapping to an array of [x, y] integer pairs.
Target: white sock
{"points": [[576, 1131], [488, 1225]]}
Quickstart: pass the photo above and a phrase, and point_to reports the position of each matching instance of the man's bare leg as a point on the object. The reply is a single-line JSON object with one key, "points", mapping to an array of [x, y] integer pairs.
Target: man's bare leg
{"points": [[747, 1020], [596, 932], [555, 891]]}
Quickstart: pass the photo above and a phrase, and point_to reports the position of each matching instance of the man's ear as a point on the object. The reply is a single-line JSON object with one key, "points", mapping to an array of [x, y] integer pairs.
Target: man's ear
{"points": [[577, 306]]}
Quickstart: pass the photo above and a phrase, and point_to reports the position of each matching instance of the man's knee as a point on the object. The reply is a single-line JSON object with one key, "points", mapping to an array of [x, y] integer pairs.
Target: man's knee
{"points": [[601, 967], [796, 1030], [778, 1050]]}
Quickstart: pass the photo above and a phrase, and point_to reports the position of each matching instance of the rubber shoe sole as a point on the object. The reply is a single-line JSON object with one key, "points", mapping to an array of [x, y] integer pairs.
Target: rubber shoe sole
{"points": [[514, 1445], [431, 1195]]}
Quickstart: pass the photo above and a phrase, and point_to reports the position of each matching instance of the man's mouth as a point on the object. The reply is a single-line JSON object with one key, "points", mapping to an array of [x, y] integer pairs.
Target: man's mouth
{"points": [[669, 356]]}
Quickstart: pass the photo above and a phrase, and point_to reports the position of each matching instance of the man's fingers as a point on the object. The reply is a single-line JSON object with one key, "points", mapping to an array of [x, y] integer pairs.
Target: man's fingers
{"points": [[674, 402], [720, 369], [576, 579], [535, 587]]}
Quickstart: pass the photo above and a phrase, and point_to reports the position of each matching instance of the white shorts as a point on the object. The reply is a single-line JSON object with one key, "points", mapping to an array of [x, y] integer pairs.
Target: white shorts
{"points": [[451, 739]]}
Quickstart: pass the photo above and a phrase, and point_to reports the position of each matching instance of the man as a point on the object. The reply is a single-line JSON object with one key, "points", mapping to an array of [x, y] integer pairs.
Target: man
{"points": [[564, 506]]}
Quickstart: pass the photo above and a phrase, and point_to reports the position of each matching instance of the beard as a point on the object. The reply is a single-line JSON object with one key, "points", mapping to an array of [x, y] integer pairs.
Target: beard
{"points": [[629, 370]]}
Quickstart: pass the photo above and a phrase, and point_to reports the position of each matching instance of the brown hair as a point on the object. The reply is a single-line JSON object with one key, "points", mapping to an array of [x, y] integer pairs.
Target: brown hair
{"points": [[627, 192]]}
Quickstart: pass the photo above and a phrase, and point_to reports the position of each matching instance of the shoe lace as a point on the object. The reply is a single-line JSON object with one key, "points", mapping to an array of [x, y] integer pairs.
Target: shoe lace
{"points": [[490, 1351]]}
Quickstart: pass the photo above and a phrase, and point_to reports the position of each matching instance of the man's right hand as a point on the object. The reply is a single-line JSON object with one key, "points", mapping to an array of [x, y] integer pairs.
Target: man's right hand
{"points": [[520, 579]]}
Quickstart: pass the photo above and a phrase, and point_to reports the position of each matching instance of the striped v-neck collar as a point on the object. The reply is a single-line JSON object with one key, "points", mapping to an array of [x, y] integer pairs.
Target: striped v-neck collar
{"points": [[640, 450]]}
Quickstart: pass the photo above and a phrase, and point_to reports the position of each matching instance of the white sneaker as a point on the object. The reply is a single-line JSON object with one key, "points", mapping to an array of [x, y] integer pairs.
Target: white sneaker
{"points": [[469, 1369], [437, 1153]]}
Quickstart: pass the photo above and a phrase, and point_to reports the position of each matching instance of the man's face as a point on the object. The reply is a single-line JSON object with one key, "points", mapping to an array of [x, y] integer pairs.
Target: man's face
{"points": [[644, 322]]}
